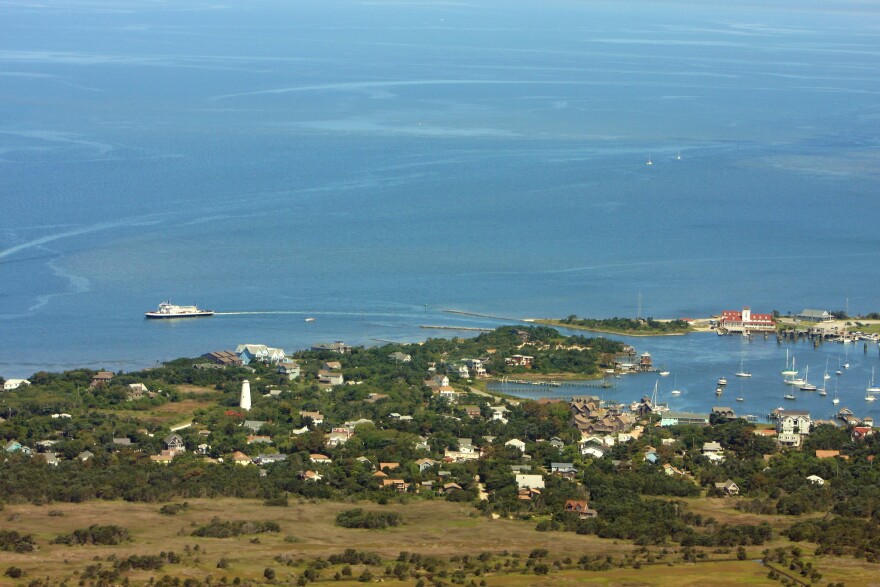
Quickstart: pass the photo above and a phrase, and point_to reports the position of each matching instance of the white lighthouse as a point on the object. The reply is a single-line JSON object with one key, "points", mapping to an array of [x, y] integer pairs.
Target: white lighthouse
{"points": [[245, 402]]}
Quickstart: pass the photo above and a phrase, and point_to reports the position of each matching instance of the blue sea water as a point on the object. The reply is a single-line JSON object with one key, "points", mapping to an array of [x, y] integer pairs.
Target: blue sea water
{"points": [[369, 163]]}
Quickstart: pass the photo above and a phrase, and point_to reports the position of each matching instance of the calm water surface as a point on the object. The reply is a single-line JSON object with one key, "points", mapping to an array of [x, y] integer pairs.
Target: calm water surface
{"points": [[369, 163]]}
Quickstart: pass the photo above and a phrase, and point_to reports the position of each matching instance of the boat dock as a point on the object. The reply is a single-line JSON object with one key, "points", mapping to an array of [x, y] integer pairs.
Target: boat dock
{"points": [[468, 328], [604, 384]]}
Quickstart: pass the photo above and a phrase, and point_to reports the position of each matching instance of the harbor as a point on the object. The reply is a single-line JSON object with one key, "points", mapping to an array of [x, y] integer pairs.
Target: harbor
{"points": [[698, 361]]}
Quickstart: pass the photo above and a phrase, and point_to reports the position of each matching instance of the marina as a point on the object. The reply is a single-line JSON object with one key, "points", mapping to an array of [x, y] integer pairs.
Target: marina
{"points": [[695, 361]]}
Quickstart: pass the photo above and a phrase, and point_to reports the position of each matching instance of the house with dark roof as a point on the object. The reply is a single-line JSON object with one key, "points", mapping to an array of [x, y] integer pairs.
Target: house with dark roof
{"points": [[811, 315], [223, 358], [335, 347], [101, 379]]}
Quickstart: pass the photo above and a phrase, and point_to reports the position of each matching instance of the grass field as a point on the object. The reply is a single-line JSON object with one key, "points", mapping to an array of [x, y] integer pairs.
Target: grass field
{"points": [[433, 528]]}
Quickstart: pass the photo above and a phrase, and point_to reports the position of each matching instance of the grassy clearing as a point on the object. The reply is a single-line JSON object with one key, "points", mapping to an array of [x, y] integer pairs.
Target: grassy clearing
{"points": [[433, 528], [723, 510]]}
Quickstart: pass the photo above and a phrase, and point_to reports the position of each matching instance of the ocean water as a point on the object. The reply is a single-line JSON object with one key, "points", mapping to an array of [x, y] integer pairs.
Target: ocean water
{"points": [[370, 163]]}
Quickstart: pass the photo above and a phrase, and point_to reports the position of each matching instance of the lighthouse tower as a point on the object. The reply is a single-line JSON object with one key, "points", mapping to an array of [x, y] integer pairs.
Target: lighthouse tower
{"points": [[245, 402]]}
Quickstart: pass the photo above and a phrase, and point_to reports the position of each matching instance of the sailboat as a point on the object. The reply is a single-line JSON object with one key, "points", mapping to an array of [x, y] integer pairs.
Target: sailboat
{"points": [[649, 160], [675, 389], [836, 400], [793, 380], [655, 406], [678, 156], [742, 372], [871, 387], [826, 377], [846, 358], [789, 370], [807, 386]]}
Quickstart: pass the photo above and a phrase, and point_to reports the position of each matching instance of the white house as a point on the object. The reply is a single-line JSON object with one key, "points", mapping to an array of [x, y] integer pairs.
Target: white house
{"points": [[516, 443], [529, 481], [476, 365], [11, 384], [599, 440], [459, 369], [317, 417], [290, 369], [592, 450], [711, 448], [793, 422], [466, 451], [498, 413], [789, 439], [816, 480], [336, 438], [330, 378]]}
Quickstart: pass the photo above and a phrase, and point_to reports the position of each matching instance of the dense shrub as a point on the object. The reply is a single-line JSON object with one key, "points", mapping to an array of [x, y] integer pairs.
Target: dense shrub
{"points": [[358, 518], [172, 509], [95, 534], [355, 557], [10, 540], [217, 528]]}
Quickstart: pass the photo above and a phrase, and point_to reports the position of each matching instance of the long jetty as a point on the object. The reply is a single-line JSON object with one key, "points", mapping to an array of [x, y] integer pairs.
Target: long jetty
{"points": [[472, 328], [590, 385], [476, 315]]}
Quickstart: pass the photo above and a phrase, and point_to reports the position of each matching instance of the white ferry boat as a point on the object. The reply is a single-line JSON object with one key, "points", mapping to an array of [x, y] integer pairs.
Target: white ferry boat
{"points": [[169, 310]]}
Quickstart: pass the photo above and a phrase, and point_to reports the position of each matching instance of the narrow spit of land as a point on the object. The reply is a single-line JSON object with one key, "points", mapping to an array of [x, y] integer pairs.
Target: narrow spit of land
{"points": [[621, 326], [626, 326]]}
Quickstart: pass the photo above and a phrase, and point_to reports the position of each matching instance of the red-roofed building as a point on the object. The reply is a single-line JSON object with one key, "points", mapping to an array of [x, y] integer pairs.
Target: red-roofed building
{"points": [[746, 321]]}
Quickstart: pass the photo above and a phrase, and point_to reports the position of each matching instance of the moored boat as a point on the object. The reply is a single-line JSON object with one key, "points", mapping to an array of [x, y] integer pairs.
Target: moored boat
{"points": [[789, 369], [742, 372], [806, 385]]}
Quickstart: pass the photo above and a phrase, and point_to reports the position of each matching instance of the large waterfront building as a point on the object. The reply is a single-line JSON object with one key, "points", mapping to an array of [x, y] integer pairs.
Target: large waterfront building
{"points": [[809, 315], [746, 321], [683, 419]]}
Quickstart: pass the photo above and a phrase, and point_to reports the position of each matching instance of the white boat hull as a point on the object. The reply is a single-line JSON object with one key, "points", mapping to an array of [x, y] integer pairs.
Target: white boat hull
{"points": [[169, 310], [157, 315]]}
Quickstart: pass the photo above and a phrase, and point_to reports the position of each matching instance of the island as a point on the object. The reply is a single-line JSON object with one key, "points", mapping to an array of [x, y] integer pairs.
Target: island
{"points": [[347, 465]]}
